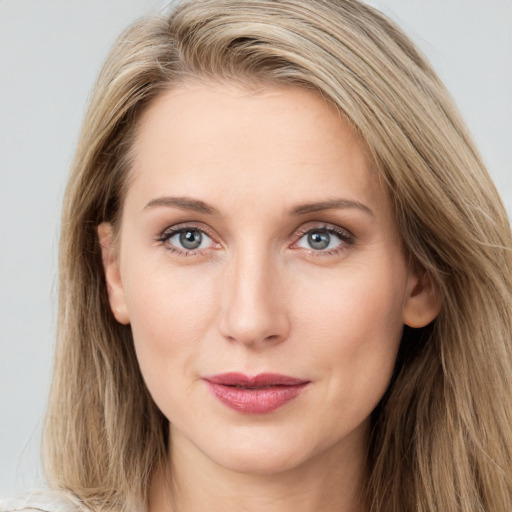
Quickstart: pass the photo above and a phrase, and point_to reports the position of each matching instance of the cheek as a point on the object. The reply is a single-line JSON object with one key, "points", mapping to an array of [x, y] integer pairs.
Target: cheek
{"points": [[356, 325], [170, 315], [161, 296], [353, 303]]}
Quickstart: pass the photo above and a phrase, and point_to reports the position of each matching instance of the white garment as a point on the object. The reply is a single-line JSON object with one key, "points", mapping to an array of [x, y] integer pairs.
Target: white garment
{"points": [[43, 501]]}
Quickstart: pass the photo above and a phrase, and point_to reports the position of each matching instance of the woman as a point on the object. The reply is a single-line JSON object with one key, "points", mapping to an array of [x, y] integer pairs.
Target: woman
{"points": [[285, 276]]}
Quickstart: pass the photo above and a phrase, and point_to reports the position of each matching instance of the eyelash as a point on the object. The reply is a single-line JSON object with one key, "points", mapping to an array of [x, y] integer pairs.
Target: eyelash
{"points": [[346, 238], [168, 233]]}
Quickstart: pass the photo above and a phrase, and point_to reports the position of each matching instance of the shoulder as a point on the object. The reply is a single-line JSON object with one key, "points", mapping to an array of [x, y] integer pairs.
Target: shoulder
{"points": [[43, 501]]}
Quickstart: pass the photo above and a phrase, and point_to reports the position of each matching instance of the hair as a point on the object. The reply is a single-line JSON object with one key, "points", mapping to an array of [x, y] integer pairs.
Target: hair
{"points": [[441, 437]]}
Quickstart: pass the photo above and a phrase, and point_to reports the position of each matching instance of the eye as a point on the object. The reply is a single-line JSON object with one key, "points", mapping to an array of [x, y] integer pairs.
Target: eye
{"points": [[325, 239], [186, 239]]}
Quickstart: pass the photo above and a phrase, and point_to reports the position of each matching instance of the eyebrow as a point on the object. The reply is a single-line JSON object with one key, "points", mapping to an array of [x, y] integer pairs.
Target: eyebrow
{"points": [[183, 203], [333, 204], [198, 206]]}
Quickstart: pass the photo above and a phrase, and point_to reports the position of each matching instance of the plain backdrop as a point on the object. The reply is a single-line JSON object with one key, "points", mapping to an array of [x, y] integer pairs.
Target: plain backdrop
{"points": [[50, 52]]}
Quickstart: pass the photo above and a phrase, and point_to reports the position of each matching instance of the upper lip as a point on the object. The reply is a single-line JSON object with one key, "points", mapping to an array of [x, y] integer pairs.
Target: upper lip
{"points": [[261, 380]]}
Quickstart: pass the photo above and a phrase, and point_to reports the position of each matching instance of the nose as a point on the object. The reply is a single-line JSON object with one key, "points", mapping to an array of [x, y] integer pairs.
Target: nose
{"points": [[253, 302]]}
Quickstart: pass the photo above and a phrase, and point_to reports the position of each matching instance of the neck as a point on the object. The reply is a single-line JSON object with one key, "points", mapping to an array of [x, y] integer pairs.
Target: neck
{"points": [[331, 481]]}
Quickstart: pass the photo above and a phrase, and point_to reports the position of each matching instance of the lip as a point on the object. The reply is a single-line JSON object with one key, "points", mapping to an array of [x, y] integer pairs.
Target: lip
{"points": [[259, 394]]}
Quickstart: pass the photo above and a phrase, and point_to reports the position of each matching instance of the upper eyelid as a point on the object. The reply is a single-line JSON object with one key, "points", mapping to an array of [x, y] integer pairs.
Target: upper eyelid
{"points": [[182, 226], [301, 231]]}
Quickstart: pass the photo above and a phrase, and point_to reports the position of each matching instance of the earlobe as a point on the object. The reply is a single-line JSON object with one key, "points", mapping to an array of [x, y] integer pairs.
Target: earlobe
{"points": [[113, 280], [422, 302]]}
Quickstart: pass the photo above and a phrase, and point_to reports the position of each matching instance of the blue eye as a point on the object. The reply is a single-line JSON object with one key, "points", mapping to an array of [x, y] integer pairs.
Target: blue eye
{"points": [[187, 239], [323, 239], [319, 241]]}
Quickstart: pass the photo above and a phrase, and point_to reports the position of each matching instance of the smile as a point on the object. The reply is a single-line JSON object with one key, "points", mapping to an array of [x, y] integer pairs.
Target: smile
{"points": [[260, 394]]}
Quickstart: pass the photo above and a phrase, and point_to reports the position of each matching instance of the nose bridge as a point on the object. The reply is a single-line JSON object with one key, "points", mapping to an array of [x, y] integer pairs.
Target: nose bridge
{"points": [[254, 312]]}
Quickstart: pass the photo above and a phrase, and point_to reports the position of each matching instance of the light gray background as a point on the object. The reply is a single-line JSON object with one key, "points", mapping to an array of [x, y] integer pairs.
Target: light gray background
{"points": [[50, 52]]}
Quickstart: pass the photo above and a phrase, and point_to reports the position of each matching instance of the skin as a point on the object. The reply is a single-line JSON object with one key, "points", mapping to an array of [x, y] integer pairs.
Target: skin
{"points": [[257, 297]]}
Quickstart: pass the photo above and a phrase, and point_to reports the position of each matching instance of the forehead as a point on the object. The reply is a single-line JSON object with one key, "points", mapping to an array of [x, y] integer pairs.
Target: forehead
{"points": [[276, 142]]}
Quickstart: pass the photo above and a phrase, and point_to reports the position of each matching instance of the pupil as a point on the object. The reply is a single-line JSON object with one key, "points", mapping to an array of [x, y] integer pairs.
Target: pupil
{"points": [[191, 239], [318, 240]]}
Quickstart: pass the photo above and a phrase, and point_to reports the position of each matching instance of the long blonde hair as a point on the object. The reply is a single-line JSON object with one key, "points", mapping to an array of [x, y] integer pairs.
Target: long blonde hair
{"points": [[442, 435]]}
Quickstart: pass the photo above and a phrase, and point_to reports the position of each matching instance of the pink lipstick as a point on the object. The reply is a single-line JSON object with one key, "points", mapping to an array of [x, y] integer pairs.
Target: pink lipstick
{"points": [[260, 394]]}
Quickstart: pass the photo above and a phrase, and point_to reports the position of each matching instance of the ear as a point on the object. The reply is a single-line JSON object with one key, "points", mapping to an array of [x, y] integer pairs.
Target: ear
{"points": [[110, 260], [422, 302]]}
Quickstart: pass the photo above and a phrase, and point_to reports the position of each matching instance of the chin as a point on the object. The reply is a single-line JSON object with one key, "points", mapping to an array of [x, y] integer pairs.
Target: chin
{"points": [[264, 452], [260, 462]]}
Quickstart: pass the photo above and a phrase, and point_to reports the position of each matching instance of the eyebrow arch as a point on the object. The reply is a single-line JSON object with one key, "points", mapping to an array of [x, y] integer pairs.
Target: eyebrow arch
{"points": [[330, 205], [183, 203]]}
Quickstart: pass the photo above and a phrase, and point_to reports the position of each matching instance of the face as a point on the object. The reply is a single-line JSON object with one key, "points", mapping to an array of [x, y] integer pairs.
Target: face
{"points": [[261, 270]]}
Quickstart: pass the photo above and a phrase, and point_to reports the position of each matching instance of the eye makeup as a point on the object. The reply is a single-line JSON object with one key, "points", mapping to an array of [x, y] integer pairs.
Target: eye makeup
{"points": [[194, 239], [323, 239], [317, 239]]}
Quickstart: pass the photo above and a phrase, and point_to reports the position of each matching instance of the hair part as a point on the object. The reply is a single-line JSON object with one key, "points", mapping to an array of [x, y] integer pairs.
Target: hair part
{"points": [[442, 436]]}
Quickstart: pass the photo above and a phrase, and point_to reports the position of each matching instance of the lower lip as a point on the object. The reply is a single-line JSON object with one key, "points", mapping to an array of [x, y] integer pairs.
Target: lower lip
{"points": [[256, 400]]}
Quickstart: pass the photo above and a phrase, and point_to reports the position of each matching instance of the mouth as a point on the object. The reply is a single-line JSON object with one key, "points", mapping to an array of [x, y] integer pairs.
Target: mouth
{"points": [[259, 394]]}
